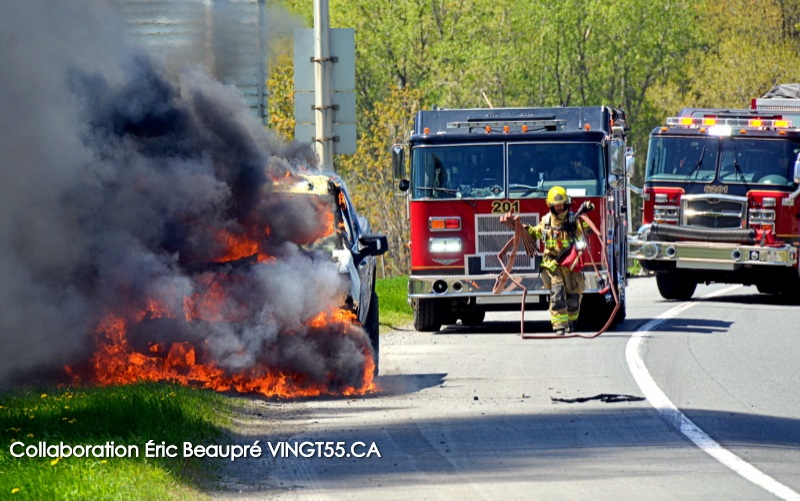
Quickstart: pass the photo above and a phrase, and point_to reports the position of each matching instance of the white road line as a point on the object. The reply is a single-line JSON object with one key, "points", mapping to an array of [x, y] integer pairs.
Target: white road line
{"points": [[670, 413]]}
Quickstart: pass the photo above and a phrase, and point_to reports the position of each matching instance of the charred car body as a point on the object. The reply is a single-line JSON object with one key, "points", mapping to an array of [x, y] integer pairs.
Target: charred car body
{"points": [[314, 215], [349, 242]]}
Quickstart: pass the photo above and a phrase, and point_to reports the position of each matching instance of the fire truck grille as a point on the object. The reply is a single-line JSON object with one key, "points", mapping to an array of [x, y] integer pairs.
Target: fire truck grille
{"points": [[714, 211], [491, 237]]}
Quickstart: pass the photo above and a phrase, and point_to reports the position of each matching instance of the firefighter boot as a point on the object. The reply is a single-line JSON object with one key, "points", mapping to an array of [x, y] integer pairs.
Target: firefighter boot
{"points": [[571, 327], [560, 331]]}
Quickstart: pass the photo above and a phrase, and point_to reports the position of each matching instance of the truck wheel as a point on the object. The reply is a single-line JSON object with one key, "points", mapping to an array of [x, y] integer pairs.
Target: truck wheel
{"points": [[674, 285], [473, 318], [373, 329], [622, 312], [771, 288], [595, 312], [427, 315], [788, 289]]}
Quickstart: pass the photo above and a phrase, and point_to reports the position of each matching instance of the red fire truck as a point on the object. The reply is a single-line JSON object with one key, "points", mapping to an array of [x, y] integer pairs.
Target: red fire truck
{"points": [[470, 166], [721, 199]]}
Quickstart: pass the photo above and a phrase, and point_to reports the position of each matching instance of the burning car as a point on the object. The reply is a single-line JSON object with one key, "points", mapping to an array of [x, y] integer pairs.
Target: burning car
{"points": [[276, 312], [344, 235]]}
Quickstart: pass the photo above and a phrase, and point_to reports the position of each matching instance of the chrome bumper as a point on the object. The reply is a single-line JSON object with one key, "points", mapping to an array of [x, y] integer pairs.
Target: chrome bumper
{"points": [[480, 287], [711, 255]]}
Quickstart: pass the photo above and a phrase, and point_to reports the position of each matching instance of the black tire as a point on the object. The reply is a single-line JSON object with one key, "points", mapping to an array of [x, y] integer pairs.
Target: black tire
{"points": [[622, 313], [372, 326], [427, 315], [788, 291], [595, 312], [472, 318], [770, 288], [675, 286]]}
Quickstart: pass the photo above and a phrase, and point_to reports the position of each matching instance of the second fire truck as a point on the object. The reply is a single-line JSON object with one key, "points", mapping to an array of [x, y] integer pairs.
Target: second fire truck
{"points": [[470, 166], [722, 199]]}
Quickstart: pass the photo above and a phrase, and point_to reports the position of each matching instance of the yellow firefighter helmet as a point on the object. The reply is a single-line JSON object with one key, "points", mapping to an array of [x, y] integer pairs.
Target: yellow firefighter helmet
{"points": [[557, 195]]}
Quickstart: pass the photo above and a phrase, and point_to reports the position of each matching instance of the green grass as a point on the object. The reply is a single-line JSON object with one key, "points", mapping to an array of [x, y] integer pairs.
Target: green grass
{"points": [[129, 415], [394, 308], [635, 268]]}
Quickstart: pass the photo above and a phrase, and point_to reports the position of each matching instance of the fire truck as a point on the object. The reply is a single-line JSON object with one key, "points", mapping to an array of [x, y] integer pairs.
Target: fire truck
{"points": [[468, 167], [721, 199]]}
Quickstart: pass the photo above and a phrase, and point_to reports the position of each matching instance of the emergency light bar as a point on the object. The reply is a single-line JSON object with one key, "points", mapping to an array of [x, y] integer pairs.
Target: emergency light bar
{"points": [[524, 124], [753, 123]]}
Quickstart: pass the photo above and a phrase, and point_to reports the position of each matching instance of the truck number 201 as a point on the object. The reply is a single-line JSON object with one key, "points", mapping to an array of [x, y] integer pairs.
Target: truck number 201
{"points": [[504, 206]]}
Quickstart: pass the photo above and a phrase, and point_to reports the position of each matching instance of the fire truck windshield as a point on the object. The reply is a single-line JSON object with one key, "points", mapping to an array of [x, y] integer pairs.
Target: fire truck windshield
{"points": [[468, 170], [478, 170], [748, 161], [534, 168], [754, 161]]}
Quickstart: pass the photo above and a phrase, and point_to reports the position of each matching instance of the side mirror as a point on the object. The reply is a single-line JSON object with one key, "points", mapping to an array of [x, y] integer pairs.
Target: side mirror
{"points": [[616, 181], [629, 161], [617, 154], [797, 170], [403, 185], [372, 244], [398, 161]]}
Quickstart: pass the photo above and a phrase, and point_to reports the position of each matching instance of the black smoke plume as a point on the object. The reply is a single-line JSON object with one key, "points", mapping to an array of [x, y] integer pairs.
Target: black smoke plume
{"points": [[116, 172]]}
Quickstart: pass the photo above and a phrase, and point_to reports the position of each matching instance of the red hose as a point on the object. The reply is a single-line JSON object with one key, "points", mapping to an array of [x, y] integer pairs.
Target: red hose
{"points": [[505, 275]]}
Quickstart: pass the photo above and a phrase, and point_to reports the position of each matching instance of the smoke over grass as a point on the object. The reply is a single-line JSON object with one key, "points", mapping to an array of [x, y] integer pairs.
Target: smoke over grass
{"points": [[116, 173]]}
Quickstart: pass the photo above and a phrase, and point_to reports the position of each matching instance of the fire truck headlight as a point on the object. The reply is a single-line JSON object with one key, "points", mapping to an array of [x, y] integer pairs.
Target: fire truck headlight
{"points": [[666, 213], [762, 216], [444, 245]]}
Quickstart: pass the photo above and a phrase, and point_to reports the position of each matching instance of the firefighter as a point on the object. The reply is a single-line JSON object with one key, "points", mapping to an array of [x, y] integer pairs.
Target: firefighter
{"points": [[563, 235]]}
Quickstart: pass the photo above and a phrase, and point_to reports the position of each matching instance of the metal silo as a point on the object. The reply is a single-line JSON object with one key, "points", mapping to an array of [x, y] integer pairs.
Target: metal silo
{"points": [[227, 37]]}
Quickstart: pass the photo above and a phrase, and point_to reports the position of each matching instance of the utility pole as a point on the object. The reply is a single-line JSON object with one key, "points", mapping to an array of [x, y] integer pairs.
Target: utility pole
{"points": [[263, 105], [322, 86]]}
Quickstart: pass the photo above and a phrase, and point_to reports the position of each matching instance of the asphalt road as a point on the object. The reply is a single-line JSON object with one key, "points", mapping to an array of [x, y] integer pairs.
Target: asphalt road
{"points": [[468, 413]]}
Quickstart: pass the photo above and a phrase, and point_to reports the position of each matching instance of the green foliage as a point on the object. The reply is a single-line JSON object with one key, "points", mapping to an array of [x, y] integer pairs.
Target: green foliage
{"points": [[369, 173], [129, 415], [635, 268], [653, 58], [741, 59], [281, 96], [395, 310]]}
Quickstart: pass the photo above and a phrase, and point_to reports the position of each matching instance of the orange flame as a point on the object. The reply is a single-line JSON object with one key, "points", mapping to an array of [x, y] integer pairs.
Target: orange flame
{"points": [[241, 246], [116, 362], [212, 304], [122, 357]]}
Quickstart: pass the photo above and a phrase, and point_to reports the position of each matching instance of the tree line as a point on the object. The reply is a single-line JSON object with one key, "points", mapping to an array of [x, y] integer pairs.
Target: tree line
{"points": [[652, 57]]}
